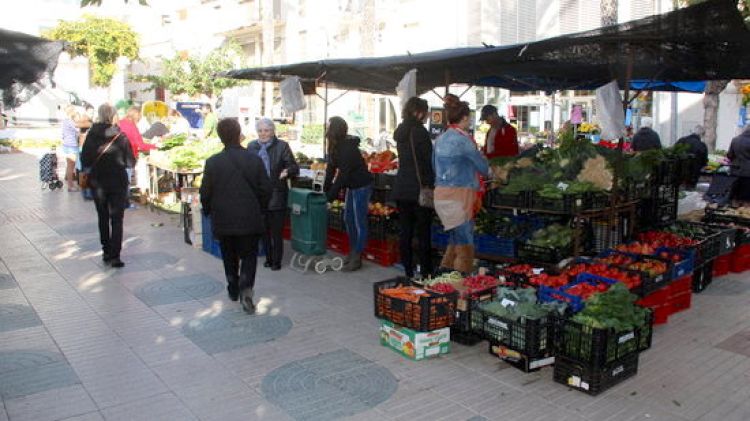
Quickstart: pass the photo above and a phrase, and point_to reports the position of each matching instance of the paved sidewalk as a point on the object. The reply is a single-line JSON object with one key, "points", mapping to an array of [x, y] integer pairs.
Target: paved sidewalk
{"points": [[158, 340]]}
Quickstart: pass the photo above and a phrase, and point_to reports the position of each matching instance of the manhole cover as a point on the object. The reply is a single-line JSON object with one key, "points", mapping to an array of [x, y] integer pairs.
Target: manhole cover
{"points": [[7, 281], [27, 372], [177, 290], [328, 386], [17, 316], [234, 329]]}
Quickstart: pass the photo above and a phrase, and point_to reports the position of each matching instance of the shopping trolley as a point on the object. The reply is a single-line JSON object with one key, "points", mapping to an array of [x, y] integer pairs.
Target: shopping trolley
{"points": [[48, 170], [309, 228]]}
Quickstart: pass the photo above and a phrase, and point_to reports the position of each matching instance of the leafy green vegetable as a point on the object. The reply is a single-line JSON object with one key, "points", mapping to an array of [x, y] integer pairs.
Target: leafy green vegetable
{"points": [[555, 235]]}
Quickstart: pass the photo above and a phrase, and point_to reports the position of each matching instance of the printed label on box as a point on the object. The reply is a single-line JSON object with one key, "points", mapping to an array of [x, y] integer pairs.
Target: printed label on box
{"points": [[541, 363], [497, 323], [626, 337], [618, 370]]}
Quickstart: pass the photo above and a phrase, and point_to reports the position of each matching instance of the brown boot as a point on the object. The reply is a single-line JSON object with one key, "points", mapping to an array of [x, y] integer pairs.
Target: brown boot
{"points": [[449, 257], [464, 258]]}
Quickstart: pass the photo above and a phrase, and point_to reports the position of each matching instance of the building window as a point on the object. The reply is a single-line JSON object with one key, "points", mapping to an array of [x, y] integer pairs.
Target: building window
{"points": [[277, 9]]}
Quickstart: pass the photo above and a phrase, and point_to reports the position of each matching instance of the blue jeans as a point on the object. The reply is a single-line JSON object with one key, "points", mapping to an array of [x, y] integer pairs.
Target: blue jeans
{"points": [[355, 217], [462, 234]]}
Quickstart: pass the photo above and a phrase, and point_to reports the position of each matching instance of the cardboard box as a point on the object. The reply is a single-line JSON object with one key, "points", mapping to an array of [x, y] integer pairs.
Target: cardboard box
{"points": [[413, 344]]}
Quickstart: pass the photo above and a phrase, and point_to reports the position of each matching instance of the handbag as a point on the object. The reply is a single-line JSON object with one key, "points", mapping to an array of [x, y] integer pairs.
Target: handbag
{"points": [[426, 195], [83, 176]]}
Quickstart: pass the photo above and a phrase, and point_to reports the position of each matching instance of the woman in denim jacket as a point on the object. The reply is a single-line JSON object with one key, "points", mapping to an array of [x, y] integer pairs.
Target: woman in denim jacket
{"points": [[458, 164]]}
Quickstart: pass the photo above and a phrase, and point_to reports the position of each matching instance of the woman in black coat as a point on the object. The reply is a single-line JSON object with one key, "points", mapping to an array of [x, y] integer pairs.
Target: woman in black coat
{"points": [[234, 192], [410, 136], [280, 164], [106, 155]]}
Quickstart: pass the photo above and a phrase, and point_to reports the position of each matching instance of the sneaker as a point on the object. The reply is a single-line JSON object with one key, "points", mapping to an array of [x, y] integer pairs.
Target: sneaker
{"points": [[116, 262]]}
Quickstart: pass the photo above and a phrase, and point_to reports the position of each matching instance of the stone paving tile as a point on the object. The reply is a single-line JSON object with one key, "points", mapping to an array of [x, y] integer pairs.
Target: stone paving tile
{"points": [[56, 404], [7, 281], [28, 371], [91, 416], [161, 407]]}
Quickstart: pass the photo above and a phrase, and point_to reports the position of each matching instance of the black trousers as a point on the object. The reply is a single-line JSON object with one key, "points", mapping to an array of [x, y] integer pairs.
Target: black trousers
{"points": [[240, 256], [110, 209], [415, 219], [273, 242]]}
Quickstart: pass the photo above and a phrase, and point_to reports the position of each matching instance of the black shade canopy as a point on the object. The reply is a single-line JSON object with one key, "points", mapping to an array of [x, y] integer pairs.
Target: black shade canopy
{"points": [[25, 59], [708, 41]]}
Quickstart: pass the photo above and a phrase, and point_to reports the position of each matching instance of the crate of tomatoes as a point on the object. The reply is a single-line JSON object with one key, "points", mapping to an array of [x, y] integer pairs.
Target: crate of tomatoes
{"points": [[682, 260], [525, 275], [404, 303], [654, 272], [630, 278], [575, 293]]}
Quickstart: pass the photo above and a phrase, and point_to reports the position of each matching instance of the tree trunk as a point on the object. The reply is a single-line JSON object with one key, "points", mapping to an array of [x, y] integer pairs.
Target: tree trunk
{"points": [[711, 111], [609, 12]]}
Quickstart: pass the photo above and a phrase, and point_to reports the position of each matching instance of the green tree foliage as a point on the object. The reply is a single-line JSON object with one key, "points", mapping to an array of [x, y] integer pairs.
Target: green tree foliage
{"points": [[101, 40], [193, 75], [742, 5]]}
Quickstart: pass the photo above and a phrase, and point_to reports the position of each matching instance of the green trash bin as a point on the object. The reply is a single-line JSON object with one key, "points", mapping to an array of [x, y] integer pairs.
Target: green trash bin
{"points": [[309, 221]]}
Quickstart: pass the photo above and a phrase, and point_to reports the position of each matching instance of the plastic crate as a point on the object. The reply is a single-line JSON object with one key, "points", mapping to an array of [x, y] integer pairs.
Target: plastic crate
{"points": [[740, 259], [703, 276], [338, 241], [667, 172], [598, 347], [603, 233], [496, 197], [382, 252], [721, 265], [382, 181], [532, 253], [685, 266], [569, 203], [429, 313], [575, 303], [381, 227], [594, 380], [649, 283], [635, 190], [681, 286], [681, 302], [533, 338], [597, 201], [439, 237], [495, 246], [462, 331], [336, 219], [517, 359]]}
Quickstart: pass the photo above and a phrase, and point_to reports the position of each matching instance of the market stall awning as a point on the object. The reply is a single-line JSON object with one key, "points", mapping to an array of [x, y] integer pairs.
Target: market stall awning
{"points": [[708, 41], [25, 59]]}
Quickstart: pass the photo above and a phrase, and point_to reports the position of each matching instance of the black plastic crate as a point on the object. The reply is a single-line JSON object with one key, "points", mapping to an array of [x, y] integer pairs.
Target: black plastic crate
{"points": [[569, 203], [703, 276], [381, 196], [597, 201], [381, 227], [533, 253], [597, 347], [603, 233], [518, 360], [429, 313], [531, 337], [496, 197], [667, 172], [665, 194], [336, 219], [462, 330], [594, 380], [382, 181], [635, 190]]}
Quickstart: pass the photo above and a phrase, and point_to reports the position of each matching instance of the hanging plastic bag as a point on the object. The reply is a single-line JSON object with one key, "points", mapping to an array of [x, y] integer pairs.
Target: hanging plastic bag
{"points": [[407, 87], [292, 97], [609, 110]]}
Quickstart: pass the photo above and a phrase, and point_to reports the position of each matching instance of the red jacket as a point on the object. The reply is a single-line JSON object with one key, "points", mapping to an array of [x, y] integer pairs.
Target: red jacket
{"points": [[505, 142], [134, 136]]}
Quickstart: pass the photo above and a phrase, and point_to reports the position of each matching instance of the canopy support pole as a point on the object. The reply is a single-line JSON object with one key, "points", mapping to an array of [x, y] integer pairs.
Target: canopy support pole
{"points": [[447, 82], [325, 121], [466, 90], [435, 92]]}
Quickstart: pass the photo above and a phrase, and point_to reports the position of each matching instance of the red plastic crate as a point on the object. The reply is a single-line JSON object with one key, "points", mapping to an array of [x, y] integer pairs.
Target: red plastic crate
{"points": [[661, 313], [338, 242], [740, 259], [721, 265], [680, 286], [681, 302], [656, 298], [286, 232], [382, 252]]}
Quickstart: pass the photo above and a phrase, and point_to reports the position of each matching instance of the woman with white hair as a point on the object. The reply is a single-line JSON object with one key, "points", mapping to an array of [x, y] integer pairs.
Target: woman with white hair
{"points": [[280, 164], [106, 155]]}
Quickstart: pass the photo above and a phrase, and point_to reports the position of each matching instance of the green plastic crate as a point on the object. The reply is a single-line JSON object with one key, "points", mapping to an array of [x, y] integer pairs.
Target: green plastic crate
{"points": [[309, 221]]}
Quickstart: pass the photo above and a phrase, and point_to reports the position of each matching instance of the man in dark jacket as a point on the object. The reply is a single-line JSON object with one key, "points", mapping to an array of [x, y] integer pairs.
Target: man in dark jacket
{"points": [[234, 192], [698, 149], [646, 138], [739, 154], [279, 164], [414, 148], [106, 155]]}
